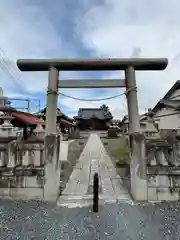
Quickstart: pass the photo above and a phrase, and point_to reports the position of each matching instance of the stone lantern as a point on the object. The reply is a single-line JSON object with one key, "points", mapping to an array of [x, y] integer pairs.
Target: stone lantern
{"points": [[6, 129], [6, 136], [39, 131]]}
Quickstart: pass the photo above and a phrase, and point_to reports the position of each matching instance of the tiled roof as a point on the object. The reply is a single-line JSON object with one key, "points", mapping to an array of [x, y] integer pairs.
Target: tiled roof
{"points": [[26, 118], [167, 96], [66, 122], [59, 114], [31, 119], [87, 113], [43, 111]]}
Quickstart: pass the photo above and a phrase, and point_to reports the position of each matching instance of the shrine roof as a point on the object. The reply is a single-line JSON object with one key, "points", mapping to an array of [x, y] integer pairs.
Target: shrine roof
{"points": [[87, 113]]}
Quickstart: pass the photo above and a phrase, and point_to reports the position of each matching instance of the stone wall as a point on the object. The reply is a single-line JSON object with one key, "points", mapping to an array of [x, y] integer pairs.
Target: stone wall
{"points": [[162, 158], [23, 172]]}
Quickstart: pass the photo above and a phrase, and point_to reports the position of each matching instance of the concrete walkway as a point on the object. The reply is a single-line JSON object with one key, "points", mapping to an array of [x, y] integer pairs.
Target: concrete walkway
{"points": [[94, 158]]}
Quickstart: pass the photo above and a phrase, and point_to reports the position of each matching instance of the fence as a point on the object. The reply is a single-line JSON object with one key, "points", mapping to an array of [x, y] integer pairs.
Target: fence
{"points": [[163, 168], [22, 167]]}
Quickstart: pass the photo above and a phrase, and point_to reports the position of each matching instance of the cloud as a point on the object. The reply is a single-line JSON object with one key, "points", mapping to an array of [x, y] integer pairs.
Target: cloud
{"points": [[125, 28], [28, 31], [103, 28], [36, 30]]}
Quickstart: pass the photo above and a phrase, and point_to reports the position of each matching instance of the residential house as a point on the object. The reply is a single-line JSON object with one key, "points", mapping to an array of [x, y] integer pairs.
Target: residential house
{"points": [[165, 116], [147, 125], [166, 112]]}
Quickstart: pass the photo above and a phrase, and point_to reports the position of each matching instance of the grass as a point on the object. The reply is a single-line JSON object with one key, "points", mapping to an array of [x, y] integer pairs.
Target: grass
{"points": [[123, 156]]}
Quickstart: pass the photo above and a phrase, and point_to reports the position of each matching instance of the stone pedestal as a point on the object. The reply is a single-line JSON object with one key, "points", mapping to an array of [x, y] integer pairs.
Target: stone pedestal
{"points": [[11, 162], [39, 131], [37, 157]]}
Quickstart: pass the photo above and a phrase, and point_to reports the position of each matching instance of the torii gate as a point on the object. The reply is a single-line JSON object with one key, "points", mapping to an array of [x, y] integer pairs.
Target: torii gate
{"points": [[127, 65]]}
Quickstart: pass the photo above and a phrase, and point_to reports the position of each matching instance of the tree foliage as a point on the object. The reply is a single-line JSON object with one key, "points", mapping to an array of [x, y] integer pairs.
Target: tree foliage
{"points": [[106, 110]]}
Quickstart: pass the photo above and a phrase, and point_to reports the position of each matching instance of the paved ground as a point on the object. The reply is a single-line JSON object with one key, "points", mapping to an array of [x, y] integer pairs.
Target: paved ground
{"points": [[94, 158]]}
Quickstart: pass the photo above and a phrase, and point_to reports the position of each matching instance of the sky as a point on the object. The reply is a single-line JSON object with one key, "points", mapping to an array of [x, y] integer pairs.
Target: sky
{"points": [[89, 29]]}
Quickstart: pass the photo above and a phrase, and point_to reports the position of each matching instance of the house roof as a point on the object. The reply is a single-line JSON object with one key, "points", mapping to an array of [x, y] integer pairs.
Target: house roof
{"points": [[22, 117], [43, 112], [27, 118], [142, 117], [165, 101], [162, 103], [87, 113], [67, 122], [59, 114]]}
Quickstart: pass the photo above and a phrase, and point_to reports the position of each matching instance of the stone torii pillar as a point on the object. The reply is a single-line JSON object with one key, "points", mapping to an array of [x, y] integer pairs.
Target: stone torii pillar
{"points": [[138, 184]]}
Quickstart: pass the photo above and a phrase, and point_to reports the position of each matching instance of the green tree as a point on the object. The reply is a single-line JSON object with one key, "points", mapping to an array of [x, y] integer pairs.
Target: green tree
{"points": [[105, 108]]}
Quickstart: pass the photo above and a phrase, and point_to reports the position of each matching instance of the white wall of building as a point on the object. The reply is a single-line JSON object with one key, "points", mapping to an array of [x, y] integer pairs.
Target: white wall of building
{"points": [[170, 121], [147, 126]]}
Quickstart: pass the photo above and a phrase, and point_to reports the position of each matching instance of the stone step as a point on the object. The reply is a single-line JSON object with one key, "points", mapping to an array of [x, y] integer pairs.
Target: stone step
{"points": [[88, 199]]}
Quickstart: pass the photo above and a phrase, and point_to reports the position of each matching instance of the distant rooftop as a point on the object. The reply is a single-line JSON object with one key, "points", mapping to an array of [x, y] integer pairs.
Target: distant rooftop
{"points": [[166, 100], [99, 113]]}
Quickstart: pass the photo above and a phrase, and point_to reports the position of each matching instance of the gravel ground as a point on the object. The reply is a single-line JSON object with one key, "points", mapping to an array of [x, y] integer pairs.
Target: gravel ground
{"points": [[117, 221], [74, 151]]}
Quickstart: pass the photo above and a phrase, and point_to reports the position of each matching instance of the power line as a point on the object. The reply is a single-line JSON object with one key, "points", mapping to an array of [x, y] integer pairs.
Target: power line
{"points": [[10, 69]]}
